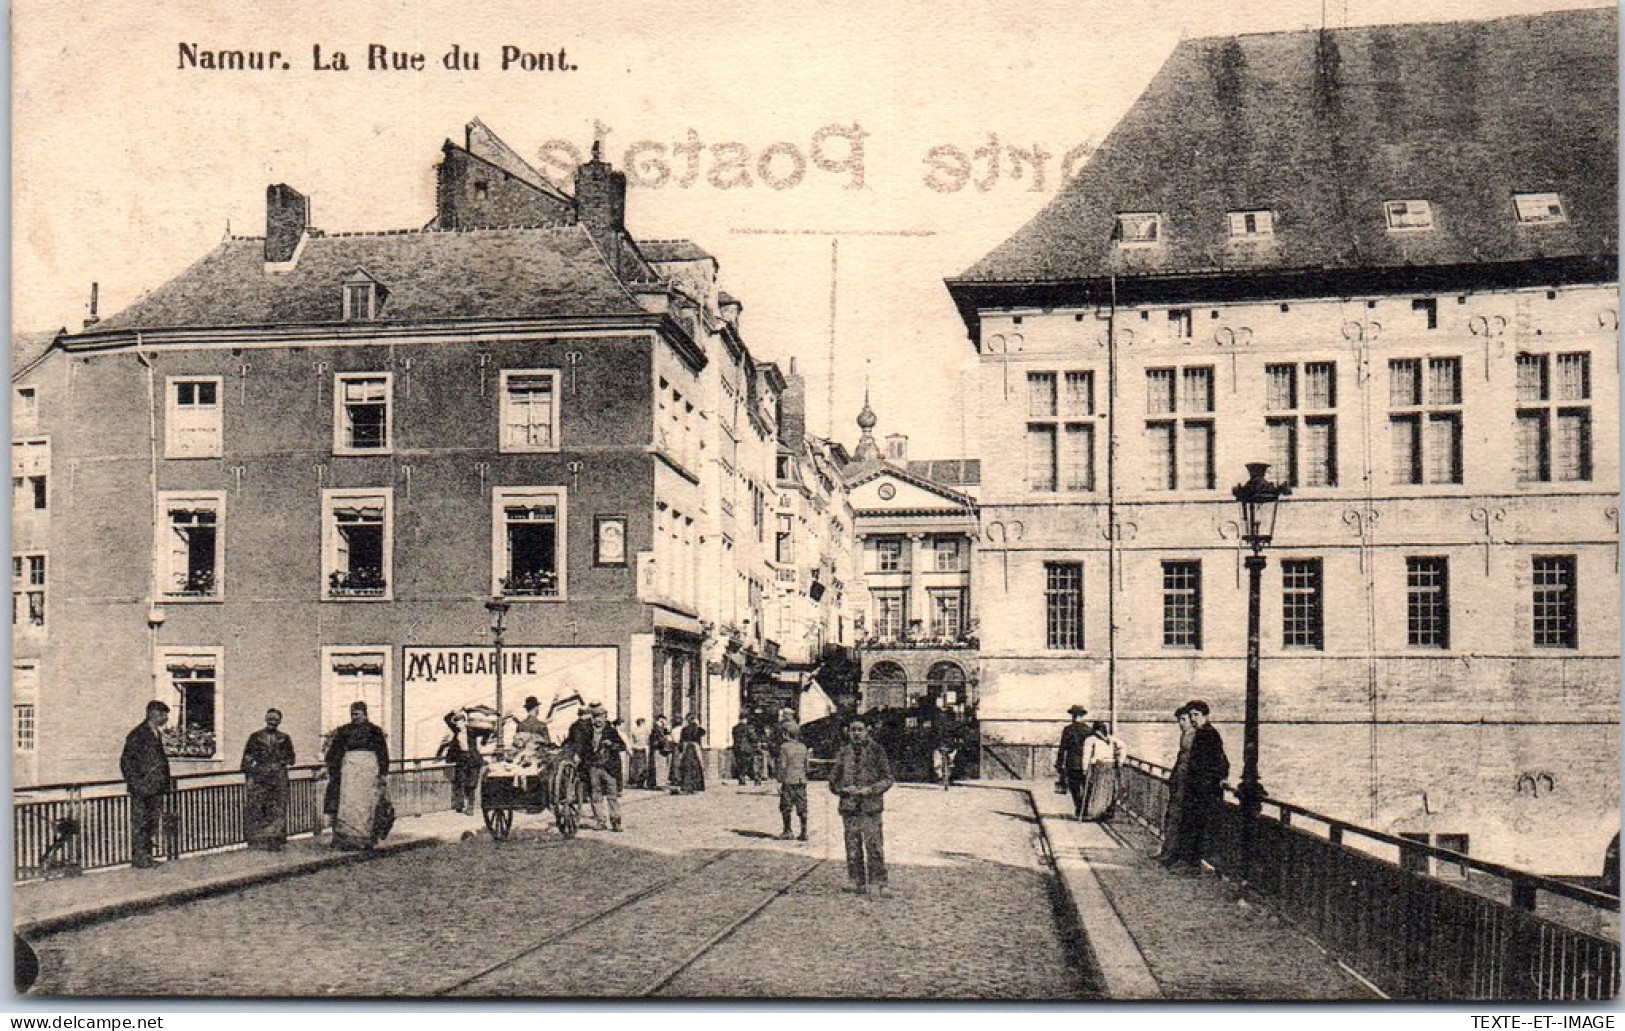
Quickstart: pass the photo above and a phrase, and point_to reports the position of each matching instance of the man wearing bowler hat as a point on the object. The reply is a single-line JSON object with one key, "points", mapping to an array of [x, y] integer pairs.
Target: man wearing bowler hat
{"points": [[1070, 764], [532, 724]]}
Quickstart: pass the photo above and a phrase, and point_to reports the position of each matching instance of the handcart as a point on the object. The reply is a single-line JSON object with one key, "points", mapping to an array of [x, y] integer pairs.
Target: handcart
{"points": [[545, 781]]}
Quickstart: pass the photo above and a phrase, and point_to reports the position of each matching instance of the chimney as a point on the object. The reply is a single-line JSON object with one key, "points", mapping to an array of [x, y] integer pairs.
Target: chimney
{"points": [[601, 204], [897, 447], [730, 310], [793, 408], [287, 216], [95, 293]]}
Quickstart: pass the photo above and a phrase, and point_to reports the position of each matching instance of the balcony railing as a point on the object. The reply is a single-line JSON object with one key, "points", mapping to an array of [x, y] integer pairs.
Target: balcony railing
{"points": [[1476, 936], [538, 583], [880, 642], [205, 814]]}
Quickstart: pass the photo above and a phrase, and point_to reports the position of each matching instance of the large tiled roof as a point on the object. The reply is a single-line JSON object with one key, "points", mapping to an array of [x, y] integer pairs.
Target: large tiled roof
{"points": [[426, 276], [1322, 128]]}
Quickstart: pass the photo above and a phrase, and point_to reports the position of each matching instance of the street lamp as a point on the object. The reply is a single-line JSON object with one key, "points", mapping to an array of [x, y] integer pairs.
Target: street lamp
{"points": [[498, 608], [1259, 499]]}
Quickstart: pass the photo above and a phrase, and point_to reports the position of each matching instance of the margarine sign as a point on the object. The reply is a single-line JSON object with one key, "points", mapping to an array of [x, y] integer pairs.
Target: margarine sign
{"points": [[438, 680]]}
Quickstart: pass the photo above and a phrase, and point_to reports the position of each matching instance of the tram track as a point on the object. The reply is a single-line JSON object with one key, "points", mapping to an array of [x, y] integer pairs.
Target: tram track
{"points": [[583, 928]]}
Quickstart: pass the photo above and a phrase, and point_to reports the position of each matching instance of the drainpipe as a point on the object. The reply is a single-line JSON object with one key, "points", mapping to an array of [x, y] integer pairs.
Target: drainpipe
{"points": [[155, 614], [1111, 508]]}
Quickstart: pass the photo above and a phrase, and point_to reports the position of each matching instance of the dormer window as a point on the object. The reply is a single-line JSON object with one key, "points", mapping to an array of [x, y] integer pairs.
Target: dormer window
{"points": [[359, 304], [1138, 228], [363, 296], [1539, 208], [1252, 223], [1409, 214]]}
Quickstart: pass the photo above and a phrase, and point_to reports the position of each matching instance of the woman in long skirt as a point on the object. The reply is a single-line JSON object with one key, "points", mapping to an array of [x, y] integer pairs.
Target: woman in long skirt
{"points": [[1102, 753], [691, 761], [266, 760], [357, 760]]}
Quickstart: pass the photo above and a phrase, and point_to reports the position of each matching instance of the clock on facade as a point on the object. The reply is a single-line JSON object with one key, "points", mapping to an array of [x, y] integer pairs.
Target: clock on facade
{"points": [[887, 492]]}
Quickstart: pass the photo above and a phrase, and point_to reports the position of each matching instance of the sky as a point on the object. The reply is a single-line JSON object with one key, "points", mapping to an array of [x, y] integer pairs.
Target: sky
{"points": [[127, 166]]}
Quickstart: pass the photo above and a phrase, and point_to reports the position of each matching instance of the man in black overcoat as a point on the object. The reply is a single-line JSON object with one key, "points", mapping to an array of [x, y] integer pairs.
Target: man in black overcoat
{"points": [[1204, 791], [145, 767]]}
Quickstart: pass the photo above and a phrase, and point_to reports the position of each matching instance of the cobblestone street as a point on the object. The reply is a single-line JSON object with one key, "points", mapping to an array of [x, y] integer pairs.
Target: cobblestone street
{"points": [[655, 910]]}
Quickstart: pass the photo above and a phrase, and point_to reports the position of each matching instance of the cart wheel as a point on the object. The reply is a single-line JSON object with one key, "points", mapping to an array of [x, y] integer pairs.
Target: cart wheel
{"points": [[566, 807], [499, 822]]}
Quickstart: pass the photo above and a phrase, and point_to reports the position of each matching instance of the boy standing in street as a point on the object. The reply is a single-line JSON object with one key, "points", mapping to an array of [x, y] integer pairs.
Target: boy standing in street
{"points": [[793, 780], [862, 777]]}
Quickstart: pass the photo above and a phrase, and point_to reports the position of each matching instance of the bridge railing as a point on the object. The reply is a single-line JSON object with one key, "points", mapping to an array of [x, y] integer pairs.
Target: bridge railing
{"points": [[1471, 931], [86, 825]]}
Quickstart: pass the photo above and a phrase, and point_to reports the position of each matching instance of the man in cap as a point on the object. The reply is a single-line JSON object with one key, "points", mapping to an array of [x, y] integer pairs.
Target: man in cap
{"points": [[861, 778], [599, 748], [792, 770], [1206, 768], [1071, 764]]}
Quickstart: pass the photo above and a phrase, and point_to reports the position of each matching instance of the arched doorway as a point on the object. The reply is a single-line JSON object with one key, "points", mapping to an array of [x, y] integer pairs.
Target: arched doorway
{"points": [[885, 686], [945, 685]]}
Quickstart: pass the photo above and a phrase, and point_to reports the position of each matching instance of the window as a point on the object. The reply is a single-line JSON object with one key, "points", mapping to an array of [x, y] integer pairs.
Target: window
{"points": [[1061, 453], [1041, 398], [28, 590], [530, 411], [30, 467], [24, 702], [192, 417], [889, 555], [948, 555], [1425, 419], [1556, 612], [1409, 214], [1180, 448], [24, 410], [1181, 324], [1539, 208], [891, 614], [190, 545], [362, 421], [1252, 223], [528, 548], [357, 546], [1182, 604], [1427, 602], [1138, 228], [1302, 604], [193, 692], [947, 613], [1063, 605], [1554, 440], [784, 541], [354, 674], [360, 301], [1303, 446]]}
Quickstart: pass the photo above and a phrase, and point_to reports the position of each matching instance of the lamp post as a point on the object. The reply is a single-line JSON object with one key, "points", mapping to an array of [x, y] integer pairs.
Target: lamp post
{"points": [[1259, 499], [498, 608]]}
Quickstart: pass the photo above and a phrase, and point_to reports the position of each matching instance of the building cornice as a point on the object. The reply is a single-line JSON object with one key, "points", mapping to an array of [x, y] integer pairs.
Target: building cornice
{"points": [[1217, 286]]}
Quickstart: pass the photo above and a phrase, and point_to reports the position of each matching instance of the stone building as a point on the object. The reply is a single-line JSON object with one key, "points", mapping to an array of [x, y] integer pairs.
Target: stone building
{"points": [[915, 556], [1382, 260], [294, 475]]}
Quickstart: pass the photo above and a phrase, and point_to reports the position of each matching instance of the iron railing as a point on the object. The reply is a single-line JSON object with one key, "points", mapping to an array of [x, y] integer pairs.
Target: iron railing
{"points": [[86, 825], [1468, 932]]}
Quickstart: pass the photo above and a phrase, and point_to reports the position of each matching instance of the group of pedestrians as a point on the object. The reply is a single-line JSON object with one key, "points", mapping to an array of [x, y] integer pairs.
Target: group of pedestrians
{"points": [[1086, 765], [664, 759], [356, 763]]}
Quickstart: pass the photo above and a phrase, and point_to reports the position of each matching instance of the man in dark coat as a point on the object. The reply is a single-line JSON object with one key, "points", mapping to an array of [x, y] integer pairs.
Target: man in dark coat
{"points": [[599, 748], [861, 778], [146, 775], [1069, 758], [1207, 766], [744, 752]]}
